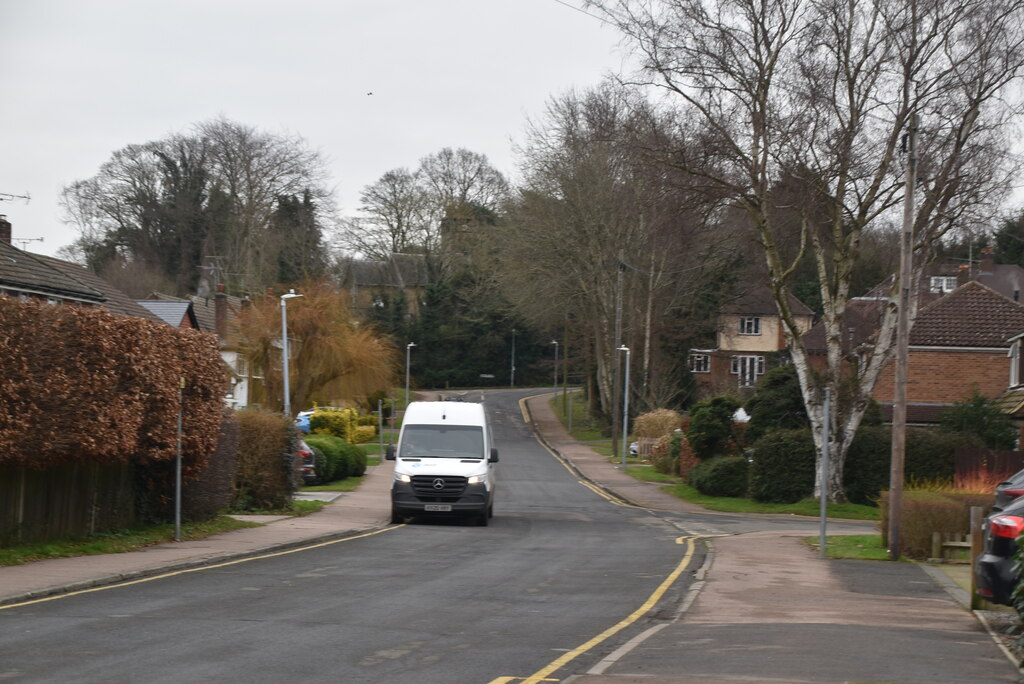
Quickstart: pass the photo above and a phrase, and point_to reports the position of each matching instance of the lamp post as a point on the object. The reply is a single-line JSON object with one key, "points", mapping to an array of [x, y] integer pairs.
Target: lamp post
{"points": [[625, 407], [512, 383], [284, 348], [555, 342], [408, 357]]}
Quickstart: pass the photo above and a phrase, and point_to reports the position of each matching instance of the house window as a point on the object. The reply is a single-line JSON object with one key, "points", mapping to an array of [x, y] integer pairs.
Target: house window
{"points": [[750, 325], [942, 284], [700, 363], [747, 368], [241, 366]]}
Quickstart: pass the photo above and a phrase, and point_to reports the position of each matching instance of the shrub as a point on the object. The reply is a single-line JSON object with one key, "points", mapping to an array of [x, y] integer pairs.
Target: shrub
{"points": [[341, 423], [777, 404], [925, 512], [338, 463], [656, 424], [783, 467], [712, 430], [266, 447], [357, 460], [665, 453], [928, 456], [321, 463], [721, 476], [982, 417], [363, 434]]}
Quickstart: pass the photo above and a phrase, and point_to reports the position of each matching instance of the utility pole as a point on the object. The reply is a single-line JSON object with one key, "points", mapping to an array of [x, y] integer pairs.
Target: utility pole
{"points": [[620, 267], [899, 403]]}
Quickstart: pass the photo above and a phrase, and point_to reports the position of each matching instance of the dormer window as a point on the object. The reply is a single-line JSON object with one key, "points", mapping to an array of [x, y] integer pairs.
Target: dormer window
{"points": [[750, 325]]}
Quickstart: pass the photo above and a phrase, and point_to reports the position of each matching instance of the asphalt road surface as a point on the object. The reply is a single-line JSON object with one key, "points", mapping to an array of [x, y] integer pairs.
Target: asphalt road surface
{"points": [[560, 579]]}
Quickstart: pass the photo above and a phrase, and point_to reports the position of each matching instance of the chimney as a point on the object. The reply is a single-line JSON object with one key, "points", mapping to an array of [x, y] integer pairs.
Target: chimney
{"points": [[988, 261], [5, 230], [220, 312], [963, 274]]}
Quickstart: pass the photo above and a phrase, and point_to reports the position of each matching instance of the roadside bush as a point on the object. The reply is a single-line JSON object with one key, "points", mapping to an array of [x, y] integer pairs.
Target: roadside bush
{"points": [[656, 424], [358, 460], [266, 447], [341, 423], [364, 433], [711, 429], [982, 417], [338, 463], [925, 512], [783, 467], [777, 404], [721, 476], [320, 461], [928, 457]]}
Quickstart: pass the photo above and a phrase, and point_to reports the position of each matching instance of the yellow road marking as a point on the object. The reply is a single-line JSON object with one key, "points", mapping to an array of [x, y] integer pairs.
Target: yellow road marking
{"points": [[557, 664], [205, 567]]}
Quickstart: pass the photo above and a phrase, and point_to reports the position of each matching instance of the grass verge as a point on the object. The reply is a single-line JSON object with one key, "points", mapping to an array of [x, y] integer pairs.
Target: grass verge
{"points": [[118, 542], [855, 546], [807, 507]]}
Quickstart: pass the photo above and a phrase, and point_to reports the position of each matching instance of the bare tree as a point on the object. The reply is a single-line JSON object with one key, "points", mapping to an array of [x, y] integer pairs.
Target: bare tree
{"points": [[823, 92], [601, 232], [397, 218], [212, 192]]}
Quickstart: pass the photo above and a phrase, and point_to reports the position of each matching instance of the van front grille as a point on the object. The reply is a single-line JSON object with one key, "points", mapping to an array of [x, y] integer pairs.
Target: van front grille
{"points": [[438, 488]]}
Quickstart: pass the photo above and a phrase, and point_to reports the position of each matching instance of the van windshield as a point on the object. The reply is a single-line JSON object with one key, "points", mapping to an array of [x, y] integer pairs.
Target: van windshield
{"points": [[442, 441]]}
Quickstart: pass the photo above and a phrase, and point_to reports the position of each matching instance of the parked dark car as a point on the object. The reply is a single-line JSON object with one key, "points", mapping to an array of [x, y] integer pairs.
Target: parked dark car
{"points": [[996, 573], [305, 460], [1008, 490]]}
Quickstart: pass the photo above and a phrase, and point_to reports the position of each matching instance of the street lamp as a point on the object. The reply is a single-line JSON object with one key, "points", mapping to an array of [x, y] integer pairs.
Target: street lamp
{"points": [[555, 342], [512, 384], [408, 356], [284, 348], [625, 407]]}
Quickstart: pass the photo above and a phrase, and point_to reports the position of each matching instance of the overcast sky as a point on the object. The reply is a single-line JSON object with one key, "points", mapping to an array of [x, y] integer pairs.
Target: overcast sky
{"points": [[82, 78]]}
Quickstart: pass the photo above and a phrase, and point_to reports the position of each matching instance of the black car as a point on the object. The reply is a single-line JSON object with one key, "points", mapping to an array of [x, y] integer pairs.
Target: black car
{"points": [[1008, 490], [996, 571]]}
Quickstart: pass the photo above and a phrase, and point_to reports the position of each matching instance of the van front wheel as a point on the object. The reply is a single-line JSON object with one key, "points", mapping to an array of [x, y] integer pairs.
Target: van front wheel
{"points": [[396, 517], [483, 519]]}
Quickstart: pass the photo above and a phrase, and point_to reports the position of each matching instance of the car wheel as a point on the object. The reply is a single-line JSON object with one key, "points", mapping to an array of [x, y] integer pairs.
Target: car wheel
{"points": [[396, 517]]}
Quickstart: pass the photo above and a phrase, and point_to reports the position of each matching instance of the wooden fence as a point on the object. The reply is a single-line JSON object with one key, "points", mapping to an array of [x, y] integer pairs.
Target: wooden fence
{"points": [[986, 466], [64, 501]]}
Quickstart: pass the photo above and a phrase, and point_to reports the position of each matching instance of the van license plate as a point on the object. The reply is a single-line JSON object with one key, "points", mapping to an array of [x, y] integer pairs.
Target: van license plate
{"points": [[437, 508]]}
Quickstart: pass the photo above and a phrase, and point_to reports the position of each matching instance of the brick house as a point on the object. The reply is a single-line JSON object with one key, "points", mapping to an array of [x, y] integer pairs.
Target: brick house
{"points": [[959, 343], [749, 340]]}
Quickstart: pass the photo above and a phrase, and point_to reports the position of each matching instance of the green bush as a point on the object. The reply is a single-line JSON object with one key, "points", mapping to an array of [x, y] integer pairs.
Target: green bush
{"points": [[358, 467], [777, 404], [337, 464], [320, 461], [982, 417], [665, 454], [711, 431], [721, 476], [928, 457], [334, 421], [264, 472], [783, 467], [342, 459]]}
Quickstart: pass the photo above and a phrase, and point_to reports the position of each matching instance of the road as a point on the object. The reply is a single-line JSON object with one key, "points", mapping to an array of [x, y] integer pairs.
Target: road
{"points": [[560, 579]]}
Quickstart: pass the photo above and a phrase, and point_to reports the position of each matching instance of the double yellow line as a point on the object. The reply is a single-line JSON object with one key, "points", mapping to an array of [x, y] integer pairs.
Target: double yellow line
{"points": [[543, 675]]}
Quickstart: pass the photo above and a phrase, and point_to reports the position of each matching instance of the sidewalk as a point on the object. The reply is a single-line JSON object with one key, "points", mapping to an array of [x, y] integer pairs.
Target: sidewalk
{"points": [[765, 590]]}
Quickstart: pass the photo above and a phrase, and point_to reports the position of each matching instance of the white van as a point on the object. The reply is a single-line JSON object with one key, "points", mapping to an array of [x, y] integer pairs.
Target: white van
{"points": [[444, 462]]}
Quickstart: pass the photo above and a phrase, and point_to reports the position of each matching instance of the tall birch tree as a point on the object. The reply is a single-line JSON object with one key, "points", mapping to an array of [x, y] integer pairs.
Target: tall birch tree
{"points": [[822, 92]]}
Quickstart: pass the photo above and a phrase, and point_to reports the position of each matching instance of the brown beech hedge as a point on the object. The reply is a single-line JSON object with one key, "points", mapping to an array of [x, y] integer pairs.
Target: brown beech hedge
{"points": [[82, 385]]}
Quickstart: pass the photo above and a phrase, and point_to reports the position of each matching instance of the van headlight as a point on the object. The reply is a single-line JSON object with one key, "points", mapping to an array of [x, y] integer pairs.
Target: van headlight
{"points": [[475, 479], [402, 477]]}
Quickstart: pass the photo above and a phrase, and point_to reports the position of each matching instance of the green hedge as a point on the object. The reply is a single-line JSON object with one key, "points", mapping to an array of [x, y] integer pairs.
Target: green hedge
{"points": [[928, 458], [342, 459], [783, 467], [721, 476]]}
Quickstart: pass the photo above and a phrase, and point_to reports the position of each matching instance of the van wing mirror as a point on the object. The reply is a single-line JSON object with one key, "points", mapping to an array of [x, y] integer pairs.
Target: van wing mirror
{"points": [[389, 454], [494, 455]]}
